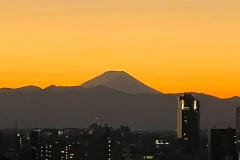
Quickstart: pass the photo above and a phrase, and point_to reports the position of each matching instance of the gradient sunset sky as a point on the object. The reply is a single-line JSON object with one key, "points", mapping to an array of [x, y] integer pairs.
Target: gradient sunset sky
{"points": [[170, 45]]}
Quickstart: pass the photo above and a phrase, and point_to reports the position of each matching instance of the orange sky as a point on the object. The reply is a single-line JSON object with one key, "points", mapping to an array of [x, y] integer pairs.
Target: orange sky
{"points": [[171, 45]]}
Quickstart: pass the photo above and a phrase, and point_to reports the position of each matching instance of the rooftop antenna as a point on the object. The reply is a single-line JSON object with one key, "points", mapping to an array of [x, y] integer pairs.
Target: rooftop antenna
{"points": [[96, 120]]}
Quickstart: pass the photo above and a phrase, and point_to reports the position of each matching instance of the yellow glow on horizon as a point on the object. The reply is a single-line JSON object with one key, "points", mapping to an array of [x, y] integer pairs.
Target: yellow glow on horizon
{"points": [[172, 46]]}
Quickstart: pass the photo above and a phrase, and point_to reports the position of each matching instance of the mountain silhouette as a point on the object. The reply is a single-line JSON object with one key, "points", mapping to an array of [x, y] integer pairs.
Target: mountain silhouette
{"points": [[77, 106], [121, 81]]}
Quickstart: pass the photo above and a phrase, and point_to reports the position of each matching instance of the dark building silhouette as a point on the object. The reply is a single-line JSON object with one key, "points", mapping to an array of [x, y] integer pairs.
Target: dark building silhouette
{"points": [[238, 130], [1, 145], [35, 147], [188, 123], [99, 143], [222, 144]]}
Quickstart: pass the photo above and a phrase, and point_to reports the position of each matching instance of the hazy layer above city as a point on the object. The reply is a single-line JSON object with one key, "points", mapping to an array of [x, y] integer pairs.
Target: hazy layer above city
{"points": [[78, 106]]}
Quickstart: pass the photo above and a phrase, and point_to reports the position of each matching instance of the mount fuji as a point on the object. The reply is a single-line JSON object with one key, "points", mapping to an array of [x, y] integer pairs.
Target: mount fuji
{"points": [[121, 81]]}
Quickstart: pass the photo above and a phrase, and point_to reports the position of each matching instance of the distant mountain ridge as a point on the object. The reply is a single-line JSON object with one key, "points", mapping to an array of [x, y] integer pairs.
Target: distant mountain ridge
{"points": [[78, 106]]}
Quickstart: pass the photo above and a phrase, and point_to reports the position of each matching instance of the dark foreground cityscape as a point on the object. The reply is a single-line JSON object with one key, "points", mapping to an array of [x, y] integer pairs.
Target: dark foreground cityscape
{"points": [[102, 142]]}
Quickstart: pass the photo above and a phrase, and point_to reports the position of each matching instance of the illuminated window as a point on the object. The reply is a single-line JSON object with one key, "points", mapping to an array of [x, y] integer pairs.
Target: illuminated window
{"points": [[195, 105], [148, 157], [182, 104]]}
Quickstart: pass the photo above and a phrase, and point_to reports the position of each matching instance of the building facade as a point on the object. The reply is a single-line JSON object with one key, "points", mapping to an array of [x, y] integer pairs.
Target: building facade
{"points": [[188, 121], [223, 144]]}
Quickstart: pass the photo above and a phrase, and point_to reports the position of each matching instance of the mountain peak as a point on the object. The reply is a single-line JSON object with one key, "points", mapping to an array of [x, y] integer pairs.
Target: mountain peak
{"points": [[29, 88], [119, 72], [120, 80]]}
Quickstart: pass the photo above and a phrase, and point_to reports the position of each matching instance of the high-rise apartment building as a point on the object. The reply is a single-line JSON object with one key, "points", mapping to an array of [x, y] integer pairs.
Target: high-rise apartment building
{"points": [[188, 123]]}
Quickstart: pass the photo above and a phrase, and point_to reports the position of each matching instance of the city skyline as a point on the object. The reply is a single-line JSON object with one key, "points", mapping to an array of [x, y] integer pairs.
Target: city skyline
{"points": [[174, 47]]}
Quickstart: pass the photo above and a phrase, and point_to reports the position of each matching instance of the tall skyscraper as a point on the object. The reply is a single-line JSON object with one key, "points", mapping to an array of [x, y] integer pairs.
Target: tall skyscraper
{"points": [[188, 123]]}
